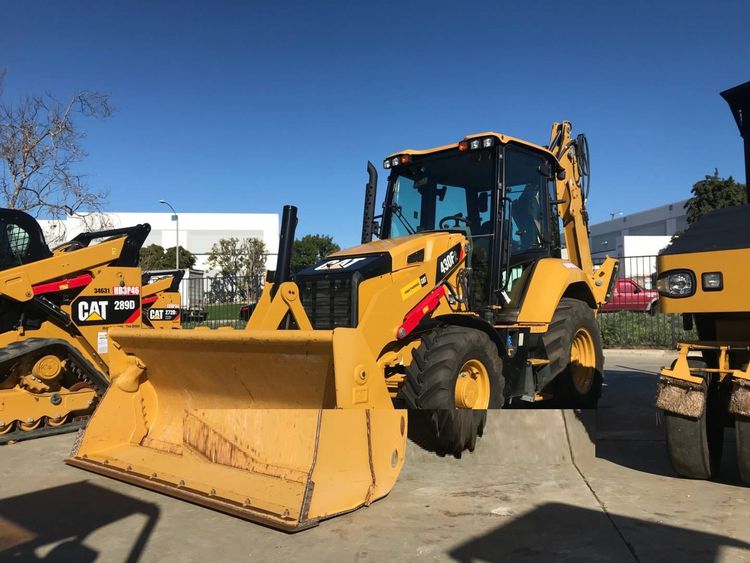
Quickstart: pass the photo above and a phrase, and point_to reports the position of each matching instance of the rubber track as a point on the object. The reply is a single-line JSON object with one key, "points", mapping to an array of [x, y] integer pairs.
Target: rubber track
{"points": [[17, 350]]}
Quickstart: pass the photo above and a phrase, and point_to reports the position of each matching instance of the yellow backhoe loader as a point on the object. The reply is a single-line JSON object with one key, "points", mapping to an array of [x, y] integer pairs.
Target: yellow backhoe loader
{"points": [[55, 309], [463, 304], [703, 275]]}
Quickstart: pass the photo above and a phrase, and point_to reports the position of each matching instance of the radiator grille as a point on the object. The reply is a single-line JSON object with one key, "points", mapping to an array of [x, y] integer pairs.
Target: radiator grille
{"points": [[329, 303]]}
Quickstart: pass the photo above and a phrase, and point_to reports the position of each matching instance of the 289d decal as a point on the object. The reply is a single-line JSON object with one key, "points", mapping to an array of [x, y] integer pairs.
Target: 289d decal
{"points": [[105, 310]]}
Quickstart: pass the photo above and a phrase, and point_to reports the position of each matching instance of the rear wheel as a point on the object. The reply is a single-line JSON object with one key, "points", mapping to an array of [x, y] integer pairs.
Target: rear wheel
{"points": [[654, 309], [742, 431], [695, 444], [455, 374], [573, 345]]}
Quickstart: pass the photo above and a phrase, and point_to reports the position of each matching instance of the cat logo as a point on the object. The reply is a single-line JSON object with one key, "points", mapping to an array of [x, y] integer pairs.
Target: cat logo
{"points": [[339, 264], [92, 311]]}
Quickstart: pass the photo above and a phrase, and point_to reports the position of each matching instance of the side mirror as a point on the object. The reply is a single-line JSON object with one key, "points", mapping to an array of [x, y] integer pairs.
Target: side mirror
{"points": [[484, 202], [637, 290]]}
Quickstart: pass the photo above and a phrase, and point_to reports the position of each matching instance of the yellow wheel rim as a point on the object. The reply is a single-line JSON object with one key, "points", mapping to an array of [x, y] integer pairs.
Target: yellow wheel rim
{"points": [[583, 361], [29, 426], [472, 386]]}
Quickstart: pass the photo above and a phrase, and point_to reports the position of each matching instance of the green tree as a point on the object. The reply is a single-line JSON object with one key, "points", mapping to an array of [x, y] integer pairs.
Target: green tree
{"points": [[241, 265], [311, 249], [714, 192], [155, 257]]}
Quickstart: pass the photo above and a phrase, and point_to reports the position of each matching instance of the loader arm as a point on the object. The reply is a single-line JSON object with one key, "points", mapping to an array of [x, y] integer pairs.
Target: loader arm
{"points": [[22, 283], [572, 156]]}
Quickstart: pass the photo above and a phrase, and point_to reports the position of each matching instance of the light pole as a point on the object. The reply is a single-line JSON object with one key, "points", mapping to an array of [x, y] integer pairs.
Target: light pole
{"points": [[176, 234]]}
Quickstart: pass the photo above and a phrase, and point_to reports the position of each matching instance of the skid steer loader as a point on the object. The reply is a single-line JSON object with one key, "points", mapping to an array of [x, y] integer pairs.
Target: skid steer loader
{"points": [[160, 298], [462, 305], [703, 275], [55, 309]]}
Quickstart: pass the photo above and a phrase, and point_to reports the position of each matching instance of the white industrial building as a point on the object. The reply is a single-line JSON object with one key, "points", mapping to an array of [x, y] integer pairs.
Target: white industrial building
{"points": [[197, 232], [643, 233]]}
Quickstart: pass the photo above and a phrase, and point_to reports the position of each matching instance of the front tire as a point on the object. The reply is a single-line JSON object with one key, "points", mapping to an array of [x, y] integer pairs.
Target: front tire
{"points": [[695, 444], [455, 375], [742, 432]]}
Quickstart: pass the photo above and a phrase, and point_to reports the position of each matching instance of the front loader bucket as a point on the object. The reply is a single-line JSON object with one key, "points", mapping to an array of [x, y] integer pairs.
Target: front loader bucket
{"points": [[240, 421]]}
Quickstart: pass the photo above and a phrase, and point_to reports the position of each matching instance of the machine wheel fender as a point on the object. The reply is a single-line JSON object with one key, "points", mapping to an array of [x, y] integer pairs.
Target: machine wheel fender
{"points": [[471, 321], [553, 280]]}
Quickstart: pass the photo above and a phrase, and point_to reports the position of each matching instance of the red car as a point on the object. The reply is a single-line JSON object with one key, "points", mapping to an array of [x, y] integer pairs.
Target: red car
{"points": [[628, 295]]}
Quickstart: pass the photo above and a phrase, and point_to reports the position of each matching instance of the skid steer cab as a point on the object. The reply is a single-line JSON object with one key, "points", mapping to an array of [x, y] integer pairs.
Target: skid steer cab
{"points": [[56, 307], [463, 304]]}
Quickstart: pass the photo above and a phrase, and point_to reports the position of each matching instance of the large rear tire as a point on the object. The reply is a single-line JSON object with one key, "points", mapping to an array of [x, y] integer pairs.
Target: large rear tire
{"points": [[573, 344], [695, 444], [455, 375], [742, 432]]}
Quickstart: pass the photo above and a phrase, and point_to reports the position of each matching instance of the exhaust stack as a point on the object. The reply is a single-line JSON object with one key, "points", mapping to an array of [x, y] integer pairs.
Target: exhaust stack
{"points": [[286, 240], [368, 217], [738, 99]]}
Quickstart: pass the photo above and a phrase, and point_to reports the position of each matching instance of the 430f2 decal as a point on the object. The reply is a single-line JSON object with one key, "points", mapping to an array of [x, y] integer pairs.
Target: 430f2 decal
{"points": [[102, 310], [447, 262]]}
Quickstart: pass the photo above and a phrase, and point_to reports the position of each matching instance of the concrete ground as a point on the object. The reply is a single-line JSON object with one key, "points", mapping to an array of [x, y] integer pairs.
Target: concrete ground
{"points": [[535, 489]]}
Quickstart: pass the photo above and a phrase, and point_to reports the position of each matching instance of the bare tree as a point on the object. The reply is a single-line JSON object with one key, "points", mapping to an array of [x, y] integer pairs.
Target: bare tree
{"points": [[39, 146]]}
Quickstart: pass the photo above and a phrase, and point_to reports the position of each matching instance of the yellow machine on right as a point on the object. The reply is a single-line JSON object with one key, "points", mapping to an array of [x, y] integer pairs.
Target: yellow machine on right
{"points": [[703, 276]]}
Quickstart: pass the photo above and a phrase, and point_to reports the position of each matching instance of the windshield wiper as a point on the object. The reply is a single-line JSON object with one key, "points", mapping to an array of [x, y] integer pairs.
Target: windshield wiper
{"points": [[396, 209]]}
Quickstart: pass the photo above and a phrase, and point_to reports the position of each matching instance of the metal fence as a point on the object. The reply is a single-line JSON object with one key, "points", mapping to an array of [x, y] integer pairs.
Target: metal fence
{"points": [[632, 317], [218, 301]]}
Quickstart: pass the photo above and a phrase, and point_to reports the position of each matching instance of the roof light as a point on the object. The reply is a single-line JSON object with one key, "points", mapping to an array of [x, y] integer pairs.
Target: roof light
{"points": [[387, 163], [405, 158], [474, 144], [463, 146], [394, 161], [488, 142]]}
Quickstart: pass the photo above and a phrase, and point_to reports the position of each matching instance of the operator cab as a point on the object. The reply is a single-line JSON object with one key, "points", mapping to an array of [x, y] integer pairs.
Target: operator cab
{"points": [[21, 239], [499, 193]]}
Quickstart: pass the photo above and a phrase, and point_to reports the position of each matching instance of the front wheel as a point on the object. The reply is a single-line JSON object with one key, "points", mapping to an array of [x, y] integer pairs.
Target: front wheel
{"points": [[455, 375], [695, 444], [742, 431]]}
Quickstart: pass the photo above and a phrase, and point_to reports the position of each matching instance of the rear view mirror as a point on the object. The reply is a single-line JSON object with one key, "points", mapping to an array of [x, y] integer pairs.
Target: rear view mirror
{"points": [[484, 202]]}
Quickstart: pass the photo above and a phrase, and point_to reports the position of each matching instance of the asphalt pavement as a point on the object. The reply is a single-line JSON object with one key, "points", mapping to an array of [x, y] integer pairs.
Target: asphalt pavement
{"points": [[542, 485]]}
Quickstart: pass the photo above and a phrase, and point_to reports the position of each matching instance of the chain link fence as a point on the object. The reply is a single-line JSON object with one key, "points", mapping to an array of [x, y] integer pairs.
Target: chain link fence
{"points": [[632, 318], [219, 301]]}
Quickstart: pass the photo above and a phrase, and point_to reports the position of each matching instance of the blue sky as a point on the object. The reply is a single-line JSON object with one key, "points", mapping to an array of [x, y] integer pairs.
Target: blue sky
{"points": [[247, 106]]}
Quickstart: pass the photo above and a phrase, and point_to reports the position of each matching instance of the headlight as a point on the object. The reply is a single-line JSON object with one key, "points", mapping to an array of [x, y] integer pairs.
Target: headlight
{"points": [[677, 283]]}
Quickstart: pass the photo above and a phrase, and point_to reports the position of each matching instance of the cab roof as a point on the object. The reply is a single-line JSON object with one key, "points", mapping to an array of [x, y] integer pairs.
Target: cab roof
{"points": [[504, 139]]}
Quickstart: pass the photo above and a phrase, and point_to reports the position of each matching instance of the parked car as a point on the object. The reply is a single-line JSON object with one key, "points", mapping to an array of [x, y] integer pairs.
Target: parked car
{"points": [[246, 311], [628, 295]]}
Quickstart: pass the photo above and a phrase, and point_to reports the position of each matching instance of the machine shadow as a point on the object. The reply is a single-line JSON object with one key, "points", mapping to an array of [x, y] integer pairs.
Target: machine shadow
{"points": [[572, 533], [66, 516], [629, 429]]}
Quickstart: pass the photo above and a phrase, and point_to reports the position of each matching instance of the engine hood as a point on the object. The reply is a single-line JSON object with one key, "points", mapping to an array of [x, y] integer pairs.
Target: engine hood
{"points": [[389, 255]]}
